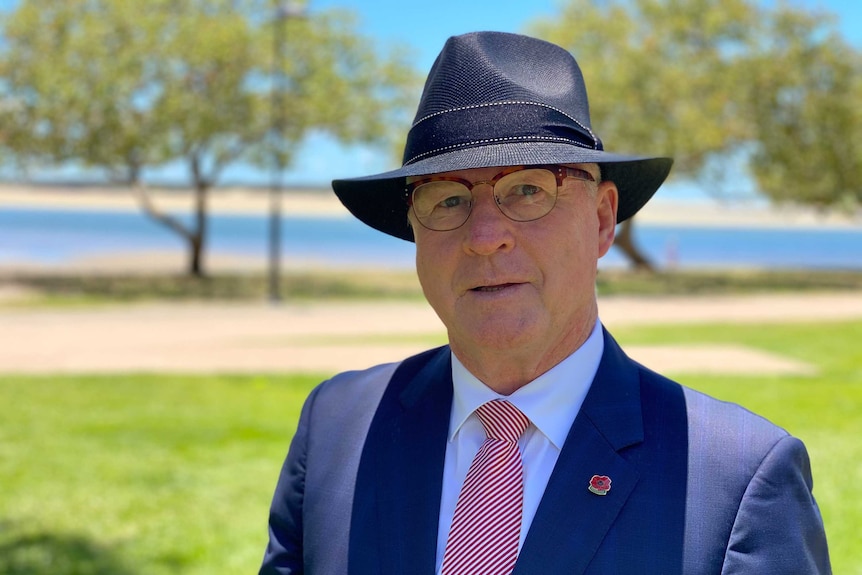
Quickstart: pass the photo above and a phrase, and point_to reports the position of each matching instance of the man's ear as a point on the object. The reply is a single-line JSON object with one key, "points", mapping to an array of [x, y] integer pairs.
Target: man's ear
{"points": [[607, 200]]}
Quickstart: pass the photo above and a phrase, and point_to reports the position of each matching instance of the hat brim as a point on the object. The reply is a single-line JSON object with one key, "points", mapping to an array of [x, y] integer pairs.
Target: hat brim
{"points": [[380, 200]]}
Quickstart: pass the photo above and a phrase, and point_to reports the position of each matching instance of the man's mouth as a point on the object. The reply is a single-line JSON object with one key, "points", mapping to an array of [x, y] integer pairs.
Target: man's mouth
{"points": [[492, 288]]}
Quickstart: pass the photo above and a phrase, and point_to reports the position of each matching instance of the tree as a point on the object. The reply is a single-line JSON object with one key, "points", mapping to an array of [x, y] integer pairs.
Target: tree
{"points": [[707, 81], [807, 89], [124, 85]]}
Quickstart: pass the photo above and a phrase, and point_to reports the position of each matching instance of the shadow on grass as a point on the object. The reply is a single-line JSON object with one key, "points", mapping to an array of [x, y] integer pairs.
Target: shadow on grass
{"points": [[45, 553]]}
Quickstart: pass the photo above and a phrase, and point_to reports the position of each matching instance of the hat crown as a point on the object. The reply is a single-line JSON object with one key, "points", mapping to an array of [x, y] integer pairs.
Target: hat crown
{"points": [[495, 87], [493, 67]]}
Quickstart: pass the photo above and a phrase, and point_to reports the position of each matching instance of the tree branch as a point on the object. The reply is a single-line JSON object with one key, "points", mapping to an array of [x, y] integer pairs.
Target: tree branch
{"points": [[143, 195]]}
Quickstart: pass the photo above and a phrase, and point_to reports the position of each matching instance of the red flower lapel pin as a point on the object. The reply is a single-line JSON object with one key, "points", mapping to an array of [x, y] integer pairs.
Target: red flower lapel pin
{"points": [[600, 484]]}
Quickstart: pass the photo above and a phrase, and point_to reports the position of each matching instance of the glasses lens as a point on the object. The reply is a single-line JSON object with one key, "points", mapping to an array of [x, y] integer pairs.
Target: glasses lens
{"points": [[527, 195], [441, 204]]}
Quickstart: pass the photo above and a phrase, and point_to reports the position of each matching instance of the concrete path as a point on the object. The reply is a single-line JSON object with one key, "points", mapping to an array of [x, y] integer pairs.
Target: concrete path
{"points": [[333, 337]]}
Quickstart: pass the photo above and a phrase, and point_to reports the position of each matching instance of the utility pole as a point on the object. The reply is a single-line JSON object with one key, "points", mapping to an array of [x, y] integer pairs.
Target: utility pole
{"points": [[284, 9]]}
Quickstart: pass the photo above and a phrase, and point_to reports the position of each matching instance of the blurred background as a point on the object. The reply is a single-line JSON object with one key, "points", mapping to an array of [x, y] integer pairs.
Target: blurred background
{"points": [[202, 136], [176, 274]]}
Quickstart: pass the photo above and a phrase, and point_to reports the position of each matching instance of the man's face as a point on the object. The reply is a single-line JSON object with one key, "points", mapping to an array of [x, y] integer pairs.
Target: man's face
{"points": [[504, 285]]}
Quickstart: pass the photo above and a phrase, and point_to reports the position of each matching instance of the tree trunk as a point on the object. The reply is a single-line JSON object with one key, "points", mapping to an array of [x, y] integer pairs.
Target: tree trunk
{"points": [[192, 238], [196, 267], [197, 237], [194, 235], [625, 241]]}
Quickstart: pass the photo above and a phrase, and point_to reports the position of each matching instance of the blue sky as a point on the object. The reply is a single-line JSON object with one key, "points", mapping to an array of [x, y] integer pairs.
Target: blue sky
{"points": [[423, 27]]}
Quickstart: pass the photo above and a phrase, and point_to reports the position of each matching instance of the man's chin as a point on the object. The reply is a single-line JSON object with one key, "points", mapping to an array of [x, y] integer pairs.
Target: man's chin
{"points": [[498, 332]]}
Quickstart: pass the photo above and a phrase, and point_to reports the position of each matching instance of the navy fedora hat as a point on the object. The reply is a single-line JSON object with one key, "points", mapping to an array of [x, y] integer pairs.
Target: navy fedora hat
{"points": [[494, 99]]}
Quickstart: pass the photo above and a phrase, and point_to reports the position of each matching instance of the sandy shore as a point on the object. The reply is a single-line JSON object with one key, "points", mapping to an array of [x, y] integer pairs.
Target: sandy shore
{"points": [[296, 201], [331, 337]]}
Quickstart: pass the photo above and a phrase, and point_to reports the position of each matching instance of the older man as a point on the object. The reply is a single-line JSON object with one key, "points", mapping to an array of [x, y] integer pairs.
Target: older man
{"points": [[531, 443]]}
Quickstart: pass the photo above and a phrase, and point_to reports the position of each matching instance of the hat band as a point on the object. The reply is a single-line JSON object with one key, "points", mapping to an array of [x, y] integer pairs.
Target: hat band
{"points": [[500, 122]]}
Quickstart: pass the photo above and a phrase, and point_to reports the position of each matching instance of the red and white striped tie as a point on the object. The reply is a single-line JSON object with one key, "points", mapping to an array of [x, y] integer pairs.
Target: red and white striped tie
{"points": [[486, 527]]}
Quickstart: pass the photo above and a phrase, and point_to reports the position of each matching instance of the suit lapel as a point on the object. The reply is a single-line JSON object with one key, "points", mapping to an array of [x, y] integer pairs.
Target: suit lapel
{"points": [[402, 469], [571, 521]]}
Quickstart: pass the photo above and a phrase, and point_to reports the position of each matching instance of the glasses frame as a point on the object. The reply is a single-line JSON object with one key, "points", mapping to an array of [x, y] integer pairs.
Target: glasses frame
{"points": [[560, 174]]}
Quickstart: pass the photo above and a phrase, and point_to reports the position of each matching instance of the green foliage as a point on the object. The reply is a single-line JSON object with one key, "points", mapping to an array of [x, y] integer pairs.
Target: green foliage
{"points": [[806, 86], [122, 84], [716, 83], [125, 85], [661, 76], [77, 74]]}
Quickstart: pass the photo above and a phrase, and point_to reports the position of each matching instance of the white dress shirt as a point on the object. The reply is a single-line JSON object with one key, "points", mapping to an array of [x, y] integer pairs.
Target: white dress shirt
{"points": [[551, 401]]}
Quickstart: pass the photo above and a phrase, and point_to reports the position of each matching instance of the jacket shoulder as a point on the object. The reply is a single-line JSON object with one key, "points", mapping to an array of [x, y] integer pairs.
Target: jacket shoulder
{"points": [[749, 501], [723, 420], [348, 391]]}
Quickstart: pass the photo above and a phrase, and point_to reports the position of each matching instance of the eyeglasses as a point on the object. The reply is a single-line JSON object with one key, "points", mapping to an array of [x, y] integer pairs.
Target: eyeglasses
{"points": [[522, 193]]}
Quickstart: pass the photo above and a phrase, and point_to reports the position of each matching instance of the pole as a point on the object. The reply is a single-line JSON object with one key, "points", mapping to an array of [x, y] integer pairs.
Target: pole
{"points": [[284, 9], [277, 101]]}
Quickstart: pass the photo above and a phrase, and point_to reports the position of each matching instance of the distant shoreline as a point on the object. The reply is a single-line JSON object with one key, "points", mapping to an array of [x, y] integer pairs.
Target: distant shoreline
{"points": [[228, 200], [320, 202]]}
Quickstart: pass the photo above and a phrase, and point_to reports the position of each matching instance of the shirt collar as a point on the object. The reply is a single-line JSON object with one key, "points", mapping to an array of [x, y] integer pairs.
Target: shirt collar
{"points": [[551, 401]]}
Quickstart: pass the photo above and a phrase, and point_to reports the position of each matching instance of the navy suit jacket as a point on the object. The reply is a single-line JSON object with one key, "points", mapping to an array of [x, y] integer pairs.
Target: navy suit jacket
{"points": [[698, 486]]}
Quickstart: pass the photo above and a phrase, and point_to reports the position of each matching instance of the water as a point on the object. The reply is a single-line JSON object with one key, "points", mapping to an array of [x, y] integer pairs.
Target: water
{"points": [[729, 247], [61, 236], [51, 237]]}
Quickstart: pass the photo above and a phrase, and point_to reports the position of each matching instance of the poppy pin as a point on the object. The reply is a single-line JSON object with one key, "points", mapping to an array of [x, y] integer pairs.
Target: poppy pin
{"points": [[600, 484]]}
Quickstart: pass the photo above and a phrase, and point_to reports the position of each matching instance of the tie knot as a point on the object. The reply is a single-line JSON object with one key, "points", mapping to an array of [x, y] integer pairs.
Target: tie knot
{"points": [[502, 420]]}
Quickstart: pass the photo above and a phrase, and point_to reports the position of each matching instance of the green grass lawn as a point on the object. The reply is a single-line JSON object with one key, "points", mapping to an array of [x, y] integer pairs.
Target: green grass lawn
{"points": [[140, 474], [167, 474]]}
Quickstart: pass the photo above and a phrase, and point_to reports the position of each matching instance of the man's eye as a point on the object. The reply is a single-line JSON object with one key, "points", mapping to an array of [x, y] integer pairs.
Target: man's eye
{"points": [[526, 190], [452, 202]]}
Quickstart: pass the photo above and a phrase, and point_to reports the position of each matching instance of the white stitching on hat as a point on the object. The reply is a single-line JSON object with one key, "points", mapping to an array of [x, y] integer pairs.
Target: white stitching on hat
{"points": [[491, 141], [473, 106]]}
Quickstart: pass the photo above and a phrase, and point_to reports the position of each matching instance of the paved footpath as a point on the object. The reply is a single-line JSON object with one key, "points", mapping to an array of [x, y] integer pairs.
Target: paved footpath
{"points": [[330, 337]]}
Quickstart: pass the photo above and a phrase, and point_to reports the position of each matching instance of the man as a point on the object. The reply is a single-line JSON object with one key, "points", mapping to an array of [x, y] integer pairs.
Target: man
{"points": [[531, 443]]}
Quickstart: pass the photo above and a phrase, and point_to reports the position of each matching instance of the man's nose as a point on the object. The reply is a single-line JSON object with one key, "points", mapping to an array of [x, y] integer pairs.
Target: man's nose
{"points": [[488, 229]]}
